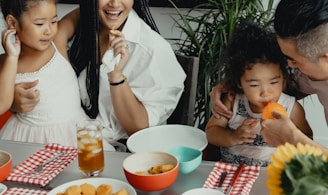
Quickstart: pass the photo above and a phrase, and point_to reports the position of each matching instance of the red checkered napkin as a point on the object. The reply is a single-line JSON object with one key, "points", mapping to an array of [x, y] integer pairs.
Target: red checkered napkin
{"points": [[244, 182], [24, 191], [50, 171]]}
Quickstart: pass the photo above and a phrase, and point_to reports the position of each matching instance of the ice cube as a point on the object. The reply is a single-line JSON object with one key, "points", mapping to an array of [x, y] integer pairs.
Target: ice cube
{"points": [[98, 134], [95, 151], [92, 147], [92, 127], [89, 155], [93, 141], [82, 133], [85, 141], [80, 146]]}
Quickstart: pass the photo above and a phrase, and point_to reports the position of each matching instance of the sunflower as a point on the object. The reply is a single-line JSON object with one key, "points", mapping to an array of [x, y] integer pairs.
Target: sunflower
{"points": [[298, 170]]}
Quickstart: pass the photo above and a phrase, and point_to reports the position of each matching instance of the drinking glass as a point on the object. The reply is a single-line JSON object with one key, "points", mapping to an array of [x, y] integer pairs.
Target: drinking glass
{"points": [[90, 147]]}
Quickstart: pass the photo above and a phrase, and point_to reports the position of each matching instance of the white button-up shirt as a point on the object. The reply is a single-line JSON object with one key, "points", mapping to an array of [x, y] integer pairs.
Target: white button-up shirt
{"points": [[154, 75]]}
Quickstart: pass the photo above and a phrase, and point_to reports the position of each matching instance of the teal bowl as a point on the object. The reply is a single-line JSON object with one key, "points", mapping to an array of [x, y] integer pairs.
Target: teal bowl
{"points": [[189, 158]]}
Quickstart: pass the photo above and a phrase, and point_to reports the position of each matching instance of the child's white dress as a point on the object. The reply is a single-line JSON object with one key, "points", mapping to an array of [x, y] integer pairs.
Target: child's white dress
{"points": [[251, 153], [54, 118]]}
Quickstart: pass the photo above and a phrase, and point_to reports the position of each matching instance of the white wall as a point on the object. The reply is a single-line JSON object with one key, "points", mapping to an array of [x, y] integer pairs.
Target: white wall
{"points": [[163, 18], [315, 116]]}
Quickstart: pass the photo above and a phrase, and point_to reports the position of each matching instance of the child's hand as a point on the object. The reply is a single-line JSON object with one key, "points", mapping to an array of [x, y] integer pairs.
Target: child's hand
{"points": [[244, 133], [11, 42]]}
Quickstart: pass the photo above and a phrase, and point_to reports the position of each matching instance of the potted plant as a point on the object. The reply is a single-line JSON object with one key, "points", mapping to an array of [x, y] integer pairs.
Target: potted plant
{"points": [[205, 31]]}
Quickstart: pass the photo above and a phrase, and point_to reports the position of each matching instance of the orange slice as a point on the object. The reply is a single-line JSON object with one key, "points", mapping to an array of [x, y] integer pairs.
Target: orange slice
{"points": [[273, 106]]}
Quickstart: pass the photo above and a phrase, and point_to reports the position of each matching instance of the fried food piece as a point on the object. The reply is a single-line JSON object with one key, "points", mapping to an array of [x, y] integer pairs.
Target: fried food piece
{"points": [[104, 189], [121, 192], [140, 173], [88, 189], [155, 170], [73, 190], [161, 168], [166, 168], [60, 194]]}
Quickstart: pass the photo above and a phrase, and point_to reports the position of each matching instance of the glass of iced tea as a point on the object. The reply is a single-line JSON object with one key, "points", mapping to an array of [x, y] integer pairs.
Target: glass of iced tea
{"points": [[90, 147]]}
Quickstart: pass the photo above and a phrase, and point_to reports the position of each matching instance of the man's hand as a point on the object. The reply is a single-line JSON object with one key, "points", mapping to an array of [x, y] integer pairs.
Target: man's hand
{"points": [[218, 108], [25, 97], [278, 131]]}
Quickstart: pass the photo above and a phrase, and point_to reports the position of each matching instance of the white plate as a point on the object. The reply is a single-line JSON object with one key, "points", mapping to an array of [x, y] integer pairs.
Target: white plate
{"points": [[3, 188], [164, 137], [200, 191], [116, 184]]}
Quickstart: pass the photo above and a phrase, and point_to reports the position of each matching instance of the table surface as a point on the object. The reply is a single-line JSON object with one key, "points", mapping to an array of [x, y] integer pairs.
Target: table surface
{"points": [[113, 169]]}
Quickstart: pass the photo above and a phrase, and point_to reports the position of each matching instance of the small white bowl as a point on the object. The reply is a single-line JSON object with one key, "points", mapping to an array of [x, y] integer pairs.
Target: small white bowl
{"points": [[201, 191], [3, 188]]}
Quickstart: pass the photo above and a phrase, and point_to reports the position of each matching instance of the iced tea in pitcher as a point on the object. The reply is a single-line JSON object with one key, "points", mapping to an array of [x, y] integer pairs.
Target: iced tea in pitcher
{"points": [[90, 148]]}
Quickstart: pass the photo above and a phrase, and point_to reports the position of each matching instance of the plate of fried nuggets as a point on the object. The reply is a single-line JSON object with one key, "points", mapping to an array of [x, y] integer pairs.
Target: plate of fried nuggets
{"points": [[94, 186]]}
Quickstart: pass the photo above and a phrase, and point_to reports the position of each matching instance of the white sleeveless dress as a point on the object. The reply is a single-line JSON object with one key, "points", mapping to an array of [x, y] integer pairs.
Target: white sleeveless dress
{"points": [[251, 153], [54, 118]]}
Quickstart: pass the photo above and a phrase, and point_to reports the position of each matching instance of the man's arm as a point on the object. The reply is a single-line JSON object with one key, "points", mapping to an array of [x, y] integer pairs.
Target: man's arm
{"points": [[218, 108], [281, 130]]}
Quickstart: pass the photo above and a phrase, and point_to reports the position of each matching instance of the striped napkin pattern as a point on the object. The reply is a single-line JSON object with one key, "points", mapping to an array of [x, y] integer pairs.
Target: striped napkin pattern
{"points": [[24, 191], [51, 170], [244, 182]]}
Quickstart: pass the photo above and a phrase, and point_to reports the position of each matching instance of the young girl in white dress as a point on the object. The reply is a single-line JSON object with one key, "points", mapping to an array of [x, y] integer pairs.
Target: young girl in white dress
{"points": [[256, 71], [38, 52]]}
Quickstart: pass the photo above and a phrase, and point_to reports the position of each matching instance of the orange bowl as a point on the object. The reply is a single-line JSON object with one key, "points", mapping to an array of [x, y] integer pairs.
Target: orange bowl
{"points": [[273, 106], [5, 165], [136, 168]]}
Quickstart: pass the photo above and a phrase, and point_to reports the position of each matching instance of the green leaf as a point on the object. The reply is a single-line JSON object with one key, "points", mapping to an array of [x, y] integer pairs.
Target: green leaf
{"points": [[305, 174], [310, 185]]}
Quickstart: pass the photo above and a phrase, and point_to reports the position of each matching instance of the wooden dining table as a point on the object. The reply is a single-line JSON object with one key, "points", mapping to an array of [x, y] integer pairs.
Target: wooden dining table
{"points": [[113, 169]]}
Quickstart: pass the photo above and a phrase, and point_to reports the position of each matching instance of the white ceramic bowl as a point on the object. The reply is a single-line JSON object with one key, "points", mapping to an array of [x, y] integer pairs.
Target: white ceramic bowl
{"points": [[203, 191], [164, 137], [95, 181], [3, 188]]}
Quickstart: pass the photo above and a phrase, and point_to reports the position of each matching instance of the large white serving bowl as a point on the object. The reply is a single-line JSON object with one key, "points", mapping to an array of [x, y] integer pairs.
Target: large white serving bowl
{"points": [[165, 137]]}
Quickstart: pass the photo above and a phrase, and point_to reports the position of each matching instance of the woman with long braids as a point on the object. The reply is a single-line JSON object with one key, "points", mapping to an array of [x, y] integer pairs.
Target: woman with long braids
{"points": [[129, 76]]}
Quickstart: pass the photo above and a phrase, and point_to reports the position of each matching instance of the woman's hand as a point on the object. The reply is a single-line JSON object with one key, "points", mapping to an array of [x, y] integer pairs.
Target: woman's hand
{"points": [[218, 108], [11, 43], [119, 45], [25, 98]]}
